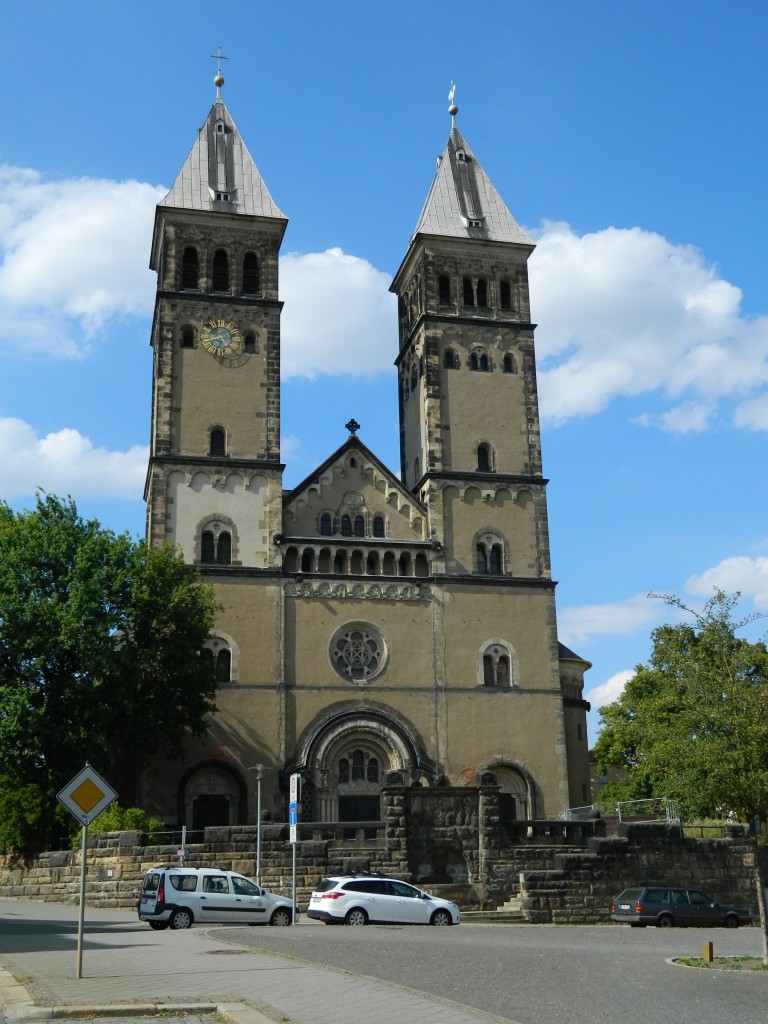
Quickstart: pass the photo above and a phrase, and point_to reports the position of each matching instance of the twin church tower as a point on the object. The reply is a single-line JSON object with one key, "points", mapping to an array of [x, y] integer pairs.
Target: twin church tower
{"points": [[371, 622]]}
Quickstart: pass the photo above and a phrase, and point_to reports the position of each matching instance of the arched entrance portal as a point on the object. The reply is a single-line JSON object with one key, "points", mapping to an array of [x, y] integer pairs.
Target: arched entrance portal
{"points": [[514, 794], [211, 795], [347, 759]]}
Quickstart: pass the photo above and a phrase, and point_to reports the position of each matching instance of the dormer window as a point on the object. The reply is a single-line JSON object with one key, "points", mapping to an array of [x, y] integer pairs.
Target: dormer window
{"points": [[220, 127], [222, 197]]}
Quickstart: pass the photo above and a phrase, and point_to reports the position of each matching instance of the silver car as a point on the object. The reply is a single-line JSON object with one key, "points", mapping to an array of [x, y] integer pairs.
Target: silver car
{"points": [[372, 899], [178, 897]]}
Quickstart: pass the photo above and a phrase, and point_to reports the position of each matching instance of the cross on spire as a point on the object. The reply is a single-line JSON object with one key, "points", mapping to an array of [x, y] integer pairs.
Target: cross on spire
{"points": [[218, 80], [353, 426]]}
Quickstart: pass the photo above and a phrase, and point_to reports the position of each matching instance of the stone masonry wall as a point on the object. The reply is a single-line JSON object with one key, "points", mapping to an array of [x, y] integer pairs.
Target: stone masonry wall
{"points": [[579, 887], [556, 885], [117, 862]]}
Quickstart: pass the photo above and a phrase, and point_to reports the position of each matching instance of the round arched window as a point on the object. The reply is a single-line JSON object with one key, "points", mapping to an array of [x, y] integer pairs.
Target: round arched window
{"points": [[358, 652]]}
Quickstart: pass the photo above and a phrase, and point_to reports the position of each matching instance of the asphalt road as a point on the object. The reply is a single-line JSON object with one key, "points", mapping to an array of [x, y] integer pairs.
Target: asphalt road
{"points": [[541, 973]]}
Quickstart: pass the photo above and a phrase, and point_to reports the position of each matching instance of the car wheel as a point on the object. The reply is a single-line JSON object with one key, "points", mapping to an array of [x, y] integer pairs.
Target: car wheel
{"points": [[665, 921], [158, 926], [356, 917], [180, 919], [731, 921], [281, 918], [440, 917]]}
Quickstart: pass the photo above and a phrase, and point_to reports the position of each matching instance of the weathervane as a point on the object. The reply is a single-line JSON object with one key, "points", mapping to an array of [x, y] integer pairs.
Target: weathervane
{"points": [[218, 80], [353, 426]]}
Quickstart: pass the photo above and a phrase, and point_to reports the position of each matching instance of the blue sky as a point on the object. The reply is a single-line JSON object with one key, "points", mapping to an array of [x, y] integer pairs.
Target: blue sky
{"points": [[627, 139]]}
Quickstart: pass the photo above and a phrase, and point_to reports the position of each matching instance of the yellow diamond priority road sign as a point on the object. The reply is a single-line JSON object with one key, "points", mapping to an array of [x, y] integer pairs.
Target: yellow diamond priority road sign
{"points": [[87, 795]]}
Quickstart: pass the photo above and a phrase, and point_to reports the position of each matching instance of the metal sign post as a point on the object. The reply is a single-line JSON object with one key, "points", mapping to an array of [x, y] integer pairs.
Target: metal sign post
{"points": [[85, 797], [293, 820]]}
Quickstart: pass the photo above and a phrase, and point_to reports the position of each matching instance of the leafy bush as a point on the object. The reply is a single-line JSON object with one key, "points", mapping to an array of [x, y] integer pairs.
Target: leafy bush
{"points": [[124, 819]]}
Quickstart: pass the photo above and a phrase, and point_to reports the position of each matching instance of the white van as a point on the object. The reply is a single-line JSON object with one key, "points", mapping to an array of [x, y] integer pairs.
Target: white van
{"points": [[178, 897]]}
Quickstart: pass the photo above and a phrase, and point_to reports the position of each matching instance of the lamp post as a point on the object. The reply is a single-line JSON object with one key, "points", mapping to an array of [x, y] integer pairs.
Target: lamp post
{"points": [[258, 768]]}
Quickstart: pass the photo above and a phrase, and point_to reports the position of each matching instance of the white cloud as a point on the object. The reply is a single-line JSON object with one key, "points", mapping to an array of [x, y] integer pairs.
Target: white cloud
{"points": [[752, 414], [339, 316], [747, 575], [578, 625], [75, 254], [66, 462], [610, 690], [624, 312]]}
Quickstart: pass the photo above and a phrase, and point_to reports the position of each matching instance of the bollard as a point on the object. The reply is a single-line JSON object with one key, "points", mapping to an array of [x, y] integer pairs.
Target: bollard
{"points": [[708, 952]]}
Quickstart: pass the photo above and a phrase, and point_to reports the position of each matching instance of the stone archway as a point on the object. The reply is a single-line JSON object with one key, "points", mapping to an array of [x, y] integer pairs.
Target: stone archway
{"points": [[347, 759], [515, 793], [211, 795]]}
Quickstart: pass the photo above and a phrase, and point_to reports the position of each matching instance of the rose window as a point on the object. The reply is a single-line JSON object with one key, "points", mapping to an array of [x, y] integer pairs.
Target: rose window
{"points": [[358, 652]]}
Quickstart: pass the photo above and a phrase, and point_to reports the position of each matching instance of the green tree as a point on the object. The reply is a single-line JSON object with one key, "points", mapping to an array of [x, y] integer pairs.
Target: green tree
{"points": [[692, 724], [100, 640]]}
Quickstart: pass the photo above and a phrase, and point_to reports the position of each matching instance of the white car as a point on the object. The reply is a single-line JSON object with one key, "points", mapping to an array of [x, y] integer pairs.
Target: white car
{"points": [[178, 897], [372, 899]]}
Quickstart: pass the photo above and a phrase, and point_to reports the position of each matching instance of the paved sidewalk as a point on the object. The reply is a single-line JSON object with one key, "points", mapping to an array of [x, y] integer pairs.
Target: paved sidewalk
{"points": [[130, 971]]}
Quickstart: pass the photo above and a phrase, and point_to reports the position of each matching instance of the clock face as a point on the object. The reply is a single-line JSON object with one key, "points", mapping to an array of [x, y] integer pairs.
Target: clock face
{"points": [[221, 338]]}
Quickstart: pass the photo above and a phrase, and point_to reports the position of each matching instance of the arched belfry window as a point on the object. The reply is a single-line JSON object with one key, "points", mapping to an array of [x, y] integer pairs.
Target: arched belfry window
{"points": [[510, 363], [489, 555], [450, 360], [187, 338], [482, 292], [326, 524], [190, 268], [468, 291], [484, 458], [216, 544], [222, 654], [249, 342], [498, 665], [505, 295], [444, 289], [378, 526], [478, 360], [251, 277], [220, 275], [218, 443], [207, 548]]}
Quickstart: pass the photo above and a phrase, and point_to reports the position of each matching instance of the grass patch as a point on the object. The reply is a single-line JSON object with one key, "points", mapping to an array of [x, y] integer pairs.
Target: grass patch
{"points": [[725, 963]]}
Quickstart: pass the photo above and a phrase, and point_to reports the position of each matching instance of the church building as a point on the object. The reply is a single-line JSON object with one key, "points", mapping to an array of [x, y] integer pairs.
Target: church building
{"points": [[375, 624]]}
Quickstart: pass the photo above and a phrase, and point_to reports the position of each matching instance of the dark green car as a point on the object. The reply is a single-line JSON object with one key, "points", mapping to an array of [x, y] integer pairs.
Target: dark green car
{"points": [[667, 906]]}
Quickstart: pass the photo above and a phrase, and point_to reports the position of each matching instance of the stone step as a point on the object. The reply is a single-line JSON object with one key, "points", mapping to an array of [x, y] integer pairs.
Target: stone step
{"points": [[492, 916]]}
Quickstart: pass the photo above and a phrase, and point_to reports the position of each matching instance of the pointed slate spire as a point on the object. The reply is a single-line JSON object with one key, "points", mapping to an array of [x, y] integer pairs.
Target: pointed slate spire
{"points": [[219, 172], [462, 202]]}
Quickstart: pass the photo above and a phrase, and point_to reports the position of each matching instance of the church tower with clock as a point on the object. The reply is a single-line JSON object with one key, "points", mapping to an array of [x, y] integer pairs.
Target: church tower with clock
{"points": [[375, 629], [214, 485]]}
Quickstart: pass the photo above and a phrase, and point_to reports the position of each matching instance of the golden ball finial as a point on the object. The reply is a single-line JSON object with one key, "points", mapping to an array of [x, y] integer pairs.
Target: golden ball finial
{"points": [[218, 81]]}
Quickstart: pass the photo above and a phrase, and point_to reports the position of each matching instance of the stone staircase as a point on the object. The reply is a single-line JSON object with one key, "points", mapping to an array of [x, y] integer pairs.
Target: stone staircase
{"points": [[509, 913]]}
